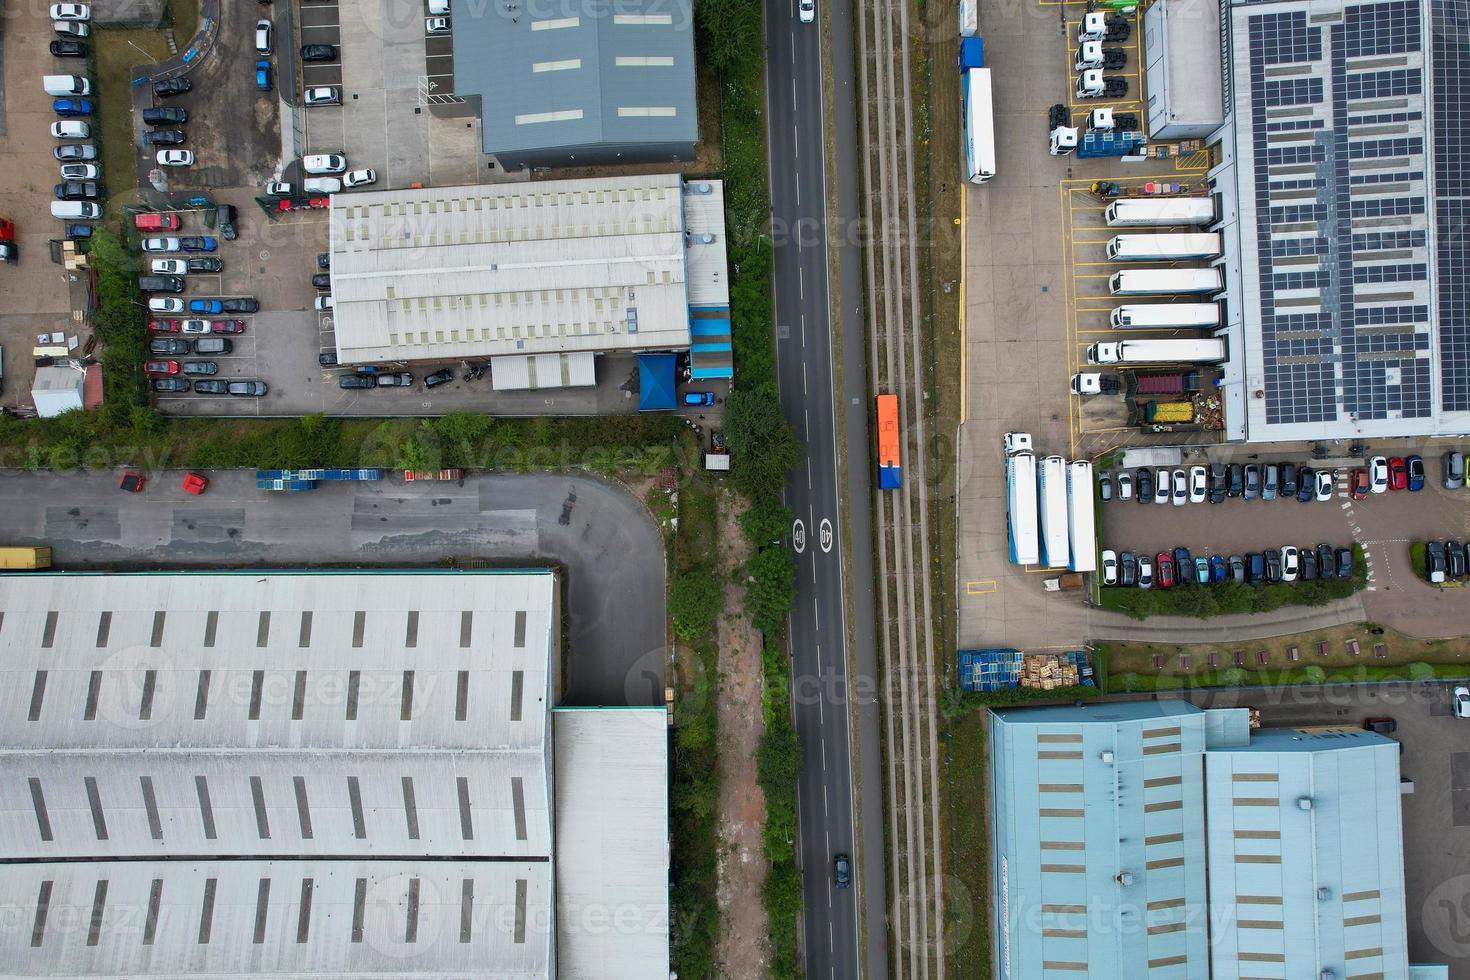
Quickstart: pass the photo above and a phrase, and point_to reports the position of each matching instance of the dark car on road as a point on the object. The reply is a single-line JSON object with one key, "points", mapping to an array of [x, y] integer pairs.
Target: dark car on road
{"points": [[442, 376], [172, 86], [1256, 568], [1306, 484], [165, 116], [206, 263], [67, 48], [240, 305], [841, 871], [164, 137], [1145, 486], [1235, 475], [1273, 566], [170, 385], [395, 379], [322, 280], [318, 52], [1344, 563], [357, 381], [1326, 561], [208, 387], [226, 215], [168, 345]]}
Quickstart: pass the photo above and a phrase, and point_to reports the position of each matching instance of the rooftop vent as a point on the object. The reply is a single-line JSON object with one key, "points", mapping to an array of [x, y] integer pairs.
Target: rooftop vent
{"points": [[1106, 755], [1125, 878], [1324, 893], [1304, 803], [700, 188]]}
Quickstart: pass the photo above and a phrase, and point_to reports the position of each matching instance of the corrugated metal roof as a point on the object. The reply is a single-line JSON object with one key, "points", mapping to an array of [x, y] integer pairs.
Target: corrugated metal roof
{"points": [[612, 843], [509, 269]]}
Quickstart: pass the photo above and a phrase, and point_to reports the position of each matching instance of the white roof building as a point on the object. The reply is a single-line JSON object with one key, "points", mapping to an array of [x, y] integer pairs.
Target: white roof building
{"points": [[59, 388], [523, 269], [295, 774]]}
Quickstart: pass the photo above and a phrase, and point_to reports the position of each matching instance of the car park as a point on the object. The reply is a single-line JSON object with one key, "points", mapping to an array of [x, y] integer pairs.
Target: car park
{"points": [[239, 304], [1398, 474], [64, 47], [1104, 479], [1198, 489], [1434, 562], [205, 263], [70, 152], [1164, 570], [71, 108], [1218, 483], [1326, 561], [252, 389], [1145, 572], [1453, 469], [1128, 569], [227, 326], [206, 306], [161, 367], [324, 164], [1455, 559], [1288, 480], [1145, 486], [71, 11], [201, 367], [321, 185], [264, 32], [71, 28], [198, 243], [1289, 567], [1252, 482], [175, 158], [225, 215], [1326, 484], [1359, 486], [1270, 481], [1378, 474], [70, 129], [1344, 563], [1237, 569], [1218, 571], [1415, 466], [165, 304], [1256, 568], [322, 95], [1162, 480], [164, 137], [168, 267], [1307, 484], [1125, 485], [1109, 558], [318, 52], [209, 386], [359, 178], [170, 385], [442, 376], [171, 86], [165, 116], [1235, 473], [263, 81], [1309, 564]]}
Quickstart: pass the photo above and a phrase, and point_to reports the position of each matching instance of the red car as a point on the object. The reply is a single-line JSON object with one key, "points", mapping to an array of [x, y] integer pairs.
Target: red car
{"points": [[227, 326], [156, 222], [1360, 484], [165, 326], [1398, 473], [195, 484], [131, 482], [1164, 570], [161, 367]]}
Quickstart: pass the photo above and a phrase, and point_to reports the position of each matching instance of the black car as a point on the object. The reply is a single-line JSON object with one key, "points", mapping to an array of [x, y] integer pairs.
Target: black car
{"points": [[1381, 726], [240, 304], [1145, 485], [1308, 563], [1217, 483], [324, 260], [440, 377], [226, 215], [322, 280], [207, 387], [168, 345], [248, 389], [1326, 561], [67, 48], [170, 384], [1288, 480], [1344, 563], [79, 231], [164, 137], [395, 379], [172, 86], [1255, 568], [165, 116], [841, 871], [1128, 572], [1455, 555], [361, 381], [76, 190], [161, 284], [1273, 565], [1306, 479], [1236, 476], [318, 52], [327, 358], [201, 367], [206, 263]]}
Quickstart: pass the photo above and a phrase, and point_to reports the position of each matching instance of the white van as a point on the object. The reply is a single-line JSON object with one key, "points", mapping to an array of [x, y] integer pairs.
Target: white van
{"points": [[67, 85], [76, 210], [324, 163], [321, 185], [438, 6]]}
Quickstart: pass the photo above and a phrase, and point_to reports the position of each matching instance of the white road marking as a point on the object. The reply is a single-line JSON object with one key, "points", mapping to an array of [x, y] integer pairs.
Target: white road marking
{"points": [[803, 377]]}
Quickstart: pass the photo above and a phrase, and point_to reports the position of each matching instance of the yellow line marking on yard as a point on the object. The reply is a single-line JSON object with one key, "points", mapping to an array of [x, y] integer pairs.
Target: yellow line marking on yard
{"points": [[984, 586]]}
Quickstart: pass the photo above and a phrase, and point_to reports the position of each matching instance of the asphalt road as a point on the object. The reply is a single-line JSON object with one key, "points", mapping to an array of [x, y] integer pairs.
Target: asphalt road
{"points": [[805, 371], [609, 548]]}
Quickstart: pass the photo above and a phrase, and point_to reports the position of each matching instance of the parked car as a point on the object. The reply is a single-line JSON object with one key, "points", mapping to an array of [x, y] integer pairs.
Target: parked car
{"points": [[164, 326], [1398, 474], [1201, 570], [132, 482], [71, 28], [1434, 562], [328, 358], [359, 178], [70, 129], [442, 376], [175, 158], [76, 190], [395, 379], [1289, 567], [170, 385], [1378, 474], [1288, 480], [1164, 574], [161, 284], [1198, 487], [164, 137], [168, 267], [1273, 565], [1454, 470], [206, 306], [1455, 559], [354, 381], [1128, 569], [324, 303], [171, 86], [205, 263], [1380, 726], [1218, 570], [1218, 483], [71, 108], [279, 188], [240, 304], [73, 152], [1326, 561], [1309, 564], [1256, 568], [68, 48], [1162, 481], [264, 35], [201, 367], [225, 214], [322, 95], [253, 389], [1461, 698], [263, 76], [1125, 485], [440, 25], [1109, 558], [1145, 486], [1236, 476], [198, 243], [165, 116], [170, 346], [1415, 466], [1180, 482], [208, 386], [165, 304], [1307, 484], [1183, 565], [71, 11], [321, 185], [195, 327], [1104, 479], [1237, 569], [324, 164], [324, 260], [161, 367], [78, 231], [318, 52], [1326, 484], [1360, 485], [1271, 480], [153, 221], [227, 326], [1252, 481], [213, 345], [1344, 563]]}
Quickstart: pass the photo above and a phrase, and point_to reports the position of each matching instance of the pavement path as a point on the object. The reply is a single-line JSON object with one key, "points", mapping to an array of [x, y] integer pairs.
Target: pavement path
{"points": [[1103, 625], [604, 540]]}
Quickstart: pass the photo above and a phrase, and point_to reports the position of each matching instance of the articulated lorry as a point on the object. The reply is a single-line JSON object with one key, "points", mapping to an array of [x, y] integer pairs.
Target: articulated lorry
{"points": [[1159, 212], [1205, 350], [1148, 247]]}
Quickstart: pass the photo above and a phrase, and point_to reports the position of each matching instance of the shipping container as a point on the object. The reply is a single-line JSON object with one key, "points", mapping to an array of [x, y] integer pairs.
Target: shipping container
{"points": [[17, 558]]}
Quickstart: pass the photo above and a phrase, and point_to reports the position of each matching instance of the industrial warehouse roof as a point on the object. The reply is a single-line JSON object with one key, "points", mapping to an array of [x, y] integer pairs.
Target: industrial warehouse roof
{"points": [[525, 268], [612, 846], [332, 723], [580, 77]]}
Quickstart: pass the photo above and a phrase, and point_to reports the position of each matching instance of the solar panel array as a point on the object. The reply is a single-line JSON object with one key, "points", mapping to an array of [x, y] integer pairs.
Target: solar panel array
{"points": [[1337, 140], [1451, 68]]}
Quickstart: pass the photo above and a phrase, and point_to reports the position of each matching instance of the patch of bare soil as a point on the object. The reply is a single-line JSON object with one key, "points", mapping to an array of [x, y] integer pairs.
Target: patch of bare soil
{"points": [[744, 950]]}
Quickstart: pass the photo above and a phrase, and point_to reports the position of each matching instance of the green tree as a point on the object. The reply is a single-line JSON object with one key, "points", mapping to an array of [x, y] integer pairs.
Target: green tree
{"points": [[695, 599], [766, 523], [1314, 674], [763, 446], [778, 762], [771, 590]]}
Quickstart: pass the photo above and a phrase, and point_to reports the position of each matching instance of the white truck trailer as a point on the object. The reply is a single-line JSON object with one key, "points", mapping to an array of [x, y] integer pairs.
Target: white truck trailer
{"points": [[1164, 282], [1204, 350], [1167, 247], [1147, 316], [1159, 212]]}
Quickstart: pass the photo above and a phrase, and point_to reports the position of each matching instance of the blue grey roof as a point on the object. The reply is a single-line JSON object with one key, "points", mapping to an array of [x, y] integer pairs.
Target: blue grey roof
{"points": [[625, 71]]}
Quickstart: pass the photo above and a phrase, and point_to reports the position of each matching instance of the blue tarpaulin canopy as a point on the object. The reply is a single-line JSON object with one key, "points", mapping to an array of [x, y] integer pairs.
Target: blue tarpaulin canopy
{"points": [[656, 383]]}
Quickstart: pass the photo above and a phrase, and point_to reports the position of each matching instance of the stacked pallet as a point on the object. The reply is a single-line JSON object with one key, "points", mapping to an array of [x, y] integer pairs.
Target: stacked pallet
{"points": [[1048, 672]]}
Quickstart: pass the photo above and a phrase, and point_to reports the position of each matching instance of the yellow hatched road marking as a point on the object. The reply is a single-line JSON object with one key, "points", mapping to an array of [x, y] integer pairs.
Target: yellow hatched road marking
{"points": [[984, 586]]}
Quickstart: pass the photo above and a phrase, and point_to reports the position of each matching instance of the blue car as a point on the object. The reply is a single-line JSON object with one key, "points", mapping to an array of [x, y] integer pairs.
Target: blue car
{"points": [[1202, 570], [1184, 564], [205, 306], [699, 398], [1218, 571], [1415, 465], [263, 75], [68, 108], [78, 231], [198, 243]]}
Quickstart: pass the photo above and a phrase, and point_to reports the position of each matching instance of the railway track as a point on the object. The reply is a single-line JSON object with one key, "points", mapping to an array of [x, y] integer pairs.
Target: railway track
{"points": [[906, 602]]}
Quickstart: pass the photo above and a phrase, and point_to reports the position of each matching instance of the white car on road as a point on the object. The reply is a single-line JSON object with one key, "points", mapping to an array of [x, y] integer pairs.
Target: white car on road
{"points": [[806, 10]]}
